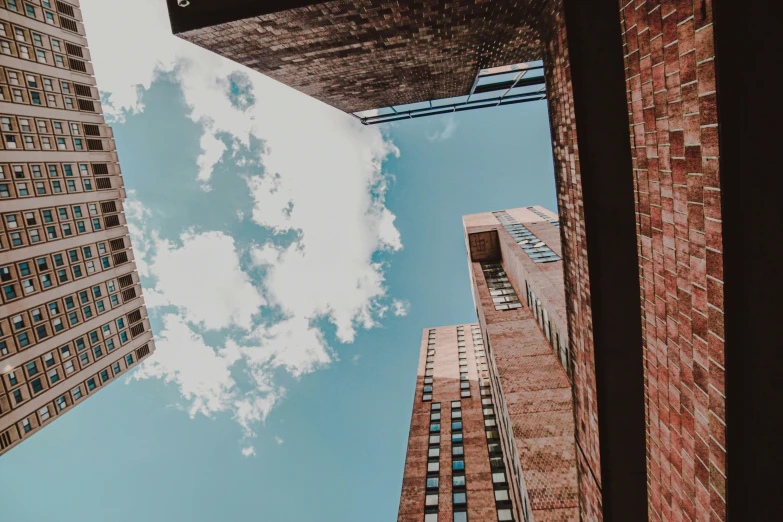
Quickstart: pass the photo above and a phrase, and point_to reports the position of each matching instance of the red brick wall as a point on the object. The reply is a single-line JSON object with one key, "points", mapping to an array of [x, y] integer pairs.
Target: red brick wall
{"points": [[670, 71], [574, 247], [366, 54], [446, 388], [536, 394]]}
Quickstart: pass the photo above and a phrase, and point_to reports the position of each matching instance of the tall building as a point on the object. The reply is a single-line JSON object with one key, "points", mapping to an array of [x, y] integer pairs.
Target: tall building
{"points": [[663, 153], [492, 430], [72, 318]]}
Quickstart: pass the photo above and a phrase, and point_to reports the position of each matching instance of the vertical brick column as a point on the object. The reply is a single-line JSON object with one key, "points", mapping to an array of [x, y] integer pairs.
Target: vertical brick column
{"points": [[574, 247], [671, 91]]}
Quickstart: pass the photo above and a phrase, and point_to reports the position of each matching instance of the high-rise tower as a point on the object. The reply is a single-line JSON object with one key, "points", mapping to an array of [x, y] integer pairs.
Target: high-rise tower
{"points": [[71, 314]]}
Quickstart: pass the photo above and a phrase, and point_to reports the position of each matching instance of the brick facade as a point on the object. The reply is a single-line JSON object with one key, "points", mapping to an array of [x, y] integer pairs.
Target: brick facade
{"points": [[357, 55], [574, 246], [670, 69]]}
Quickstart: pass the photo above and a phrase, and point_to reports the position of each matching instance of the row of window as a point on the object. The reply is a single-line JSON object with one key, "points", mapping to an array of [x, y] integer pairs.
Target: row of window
{"points": [[45, 13], [33, 171], [39, 40], [533, 247], [53, 143], [558, 342], [17, 124], [31, 276], [429, 367], [45, 188], [464, 384], [33, 377], [44, 225], [26, 329], [43, 415], [458, 484], [503, 294], [497, 464], [540, 214]]}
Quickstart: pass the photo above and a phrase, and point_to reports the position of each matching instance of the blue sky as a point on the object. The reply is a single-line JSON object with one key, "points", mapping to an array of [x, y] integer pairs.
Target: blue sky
{"points": [[290, 259]]}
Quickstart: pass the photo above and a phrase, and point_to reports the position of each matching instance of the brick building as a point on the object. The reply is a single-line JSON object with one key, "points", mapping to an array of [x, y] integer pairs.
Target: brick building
{"points": [[662, 154], [71, 314], [492, 430]]}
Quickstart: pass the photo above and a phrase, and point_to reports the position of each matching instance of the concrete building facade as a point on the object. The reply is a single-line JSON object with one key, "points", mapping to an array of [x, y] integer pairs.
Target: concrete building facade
{"points": [[662, 157], [72, 318]]}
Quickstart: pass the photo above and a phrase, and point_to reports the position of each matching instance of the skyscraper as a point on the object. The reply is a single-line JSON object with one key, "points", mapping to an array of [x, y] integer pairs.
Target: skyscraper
{"points": [[72, 318], [492, 430]]}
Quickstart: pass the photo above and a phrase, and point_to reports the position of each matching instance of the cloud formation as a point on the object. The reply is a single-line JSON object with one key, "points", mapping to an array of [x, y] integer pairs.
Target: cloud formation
{"points": [[323, 185]]}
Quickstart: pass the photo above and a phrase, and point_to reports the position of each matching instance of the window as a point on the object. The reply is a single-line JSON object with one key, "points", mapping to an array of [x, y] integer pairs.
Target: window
{"points": [[432, 482], [434, 427], [505, 515], [499, 478], [501, 495], [460, 498], [456, 414], [434, 439], [61, 403], [77, 393], [460, 516], [91, 385], [458, 481], [456, 437], [464, 393], [433, 452], [457, 450], [43, 413], [431, 517], [458, 465], [433, 467], [129, 361], [426, 397], [435, 416], [431, 499], [104, 375], [37, 386], [26, 425], [456, 425]]}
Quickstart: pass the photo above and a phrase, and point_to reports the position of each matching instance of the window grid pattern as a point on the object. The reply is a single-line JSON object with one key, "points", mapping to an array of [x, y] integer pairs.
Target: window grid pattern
{"points": [[500, 483], [46, 15], [432, 485], [503, 294], [533, 247], [557, 340], [540, 214], [35, 376]]}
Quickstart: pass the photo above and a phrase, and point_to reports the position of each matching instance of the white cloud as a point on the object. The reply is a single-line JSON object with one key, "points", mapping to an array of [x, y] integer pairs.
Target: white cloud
{"points": [[249, 451], [400, 308], [449, 129], [203, 278], [279, 441], [323, 180], [183, 358], [355, 359]]}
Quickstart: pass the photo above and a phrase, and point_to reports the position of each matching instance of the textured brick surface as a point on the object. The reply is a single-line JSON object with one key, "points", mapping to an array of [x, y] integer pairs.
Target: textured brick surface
{"points": [[537, 398], [365, 54], [574, 250], [446, 388], [670, 71]]}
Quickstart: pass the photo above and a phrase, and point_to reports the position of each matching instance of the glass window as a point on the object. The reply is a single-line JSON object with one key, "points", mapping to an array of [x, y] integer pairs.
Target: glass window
{"points": [[431, 500], [505, 515], [499, 478], [432, 482], [458, 464], [433, 452], [431, 517], [460, 516], [460, 498], [501, 495], [434, 427], [433, 467], [458, 481]]}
